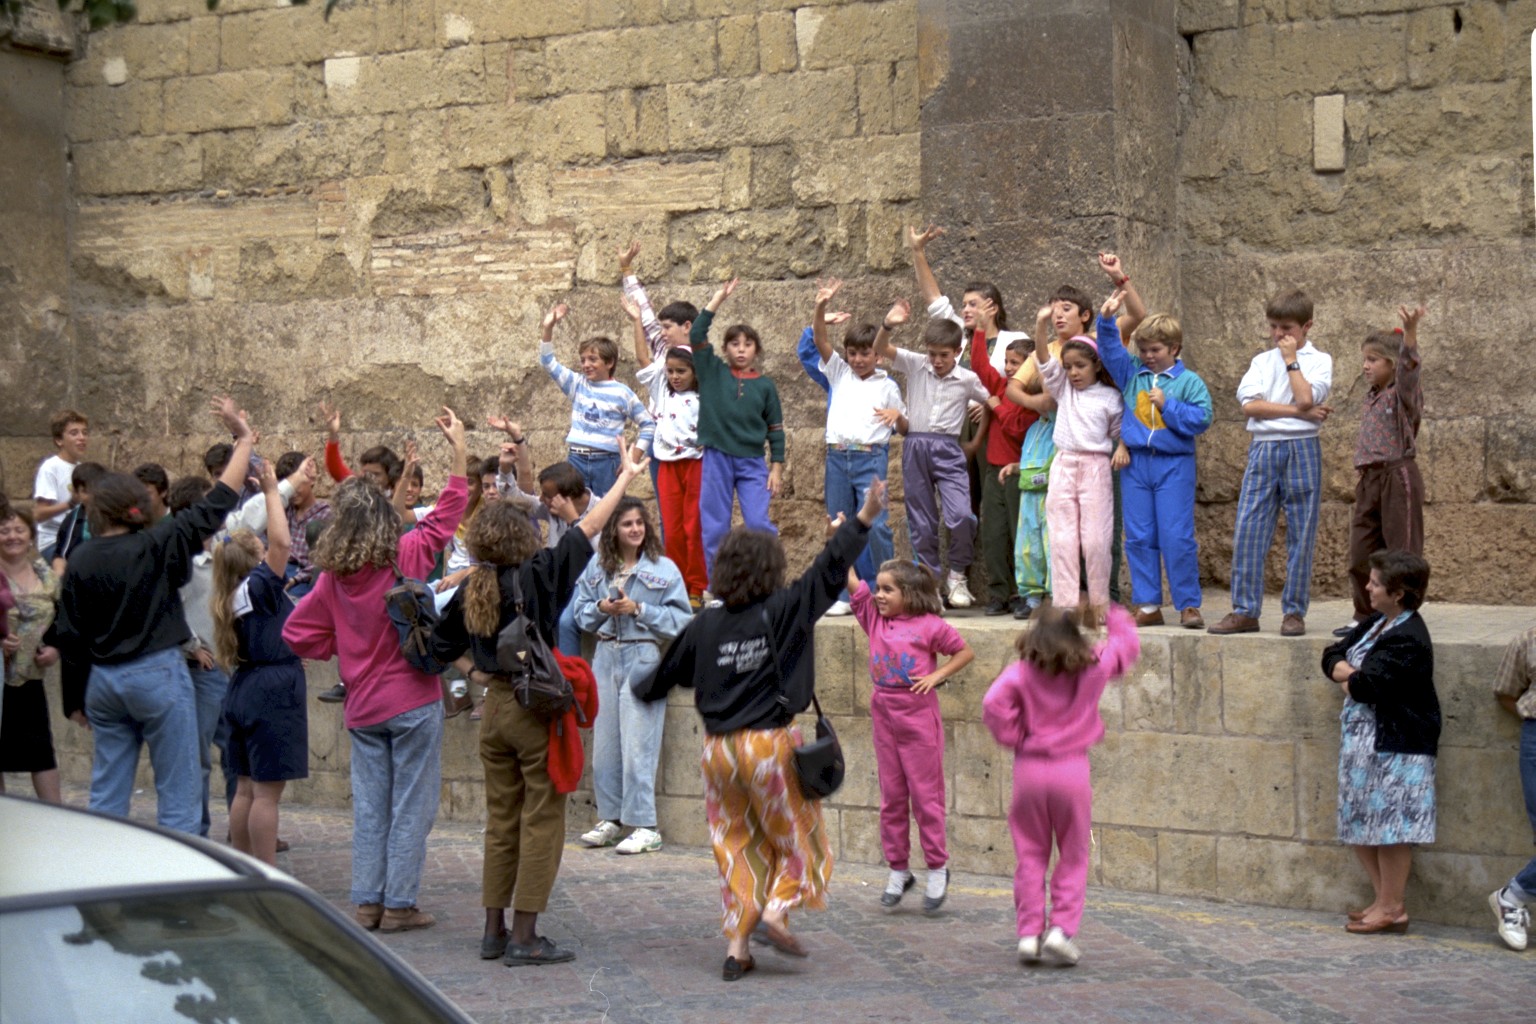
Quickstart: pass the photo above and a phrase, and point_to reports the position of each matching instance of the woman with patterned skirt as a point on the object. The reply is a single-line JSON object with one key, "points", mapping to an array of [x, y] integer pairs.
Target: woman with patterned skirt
{"points": [[751, 664], [1391, 731]]}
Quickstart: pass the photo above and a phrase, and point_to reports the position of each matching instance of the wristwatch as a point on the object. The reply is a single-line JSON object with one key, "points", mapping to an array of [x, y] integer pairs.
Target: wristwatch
{"points": [[1292, 367]]}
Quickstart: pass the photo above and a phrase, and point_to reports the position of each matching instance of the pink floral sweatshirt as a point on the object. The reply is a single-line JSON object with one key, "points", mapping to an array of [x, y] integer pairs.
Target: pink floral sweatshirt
{"points": [[344, 618], [1043, 715]]}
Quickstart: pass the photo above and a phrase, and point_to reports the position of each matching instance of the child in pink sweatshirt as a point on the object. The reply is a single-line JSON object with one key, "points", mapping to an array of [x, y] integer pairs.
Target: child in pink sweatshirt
{"points": [[1046, 707]]}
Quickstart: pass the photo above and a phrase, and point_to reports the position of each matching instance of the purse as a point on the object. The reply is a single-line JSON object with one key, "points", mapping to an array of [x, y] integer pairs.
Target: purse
{"points": [[819, 765]]}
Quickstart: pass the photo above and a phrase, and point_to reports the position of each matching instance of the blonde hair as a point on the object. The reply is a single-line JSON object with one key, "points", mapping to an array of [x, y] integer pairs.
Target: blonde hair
{"points": [[918, 585], [1161, 329], [233, 561], [500, 536], [364, 530]]}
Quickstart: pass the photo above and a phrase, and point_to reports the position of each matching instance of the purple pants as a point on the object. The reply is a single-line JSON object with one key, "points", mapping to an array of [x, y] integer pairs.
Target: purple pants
{"points": [[929, 462], [725, 480], [909, 753], [1052, 797]]}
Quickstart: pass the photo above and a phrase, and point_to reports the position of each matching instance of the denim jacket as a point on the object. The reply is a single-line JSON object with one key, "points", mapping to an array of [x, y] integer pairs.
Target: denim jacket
{"points": [[656, 586]]}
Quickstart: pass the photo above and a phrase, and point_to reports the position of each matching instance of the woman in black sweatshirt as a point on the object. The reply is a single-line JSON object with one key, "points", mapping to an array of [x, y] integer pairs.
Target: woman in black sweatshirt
{"points": [[751, 665]]}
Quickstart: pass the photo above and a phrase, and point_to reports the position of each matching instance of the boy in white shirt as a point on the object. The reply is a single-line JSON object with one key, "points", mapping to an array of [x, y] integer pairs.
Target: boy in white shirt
{"points": [[1282, 395], [52, 495]]}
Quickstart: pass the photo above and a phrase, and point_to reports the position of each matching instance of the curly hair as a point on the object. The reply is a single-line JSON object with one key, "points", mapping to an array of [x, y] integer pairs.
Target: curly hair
{"points": [[233, 561], [608, 553], [501, 536], [918, 585], [364, 530], [1055, 644], [749, 566]]}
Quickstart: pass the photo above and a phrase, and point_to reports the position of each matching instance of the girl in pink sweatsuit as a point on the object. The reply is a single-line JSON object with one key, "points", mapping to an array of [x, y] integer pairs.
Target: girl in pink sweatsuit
{"points": [[906, 635], [1045, 706]]}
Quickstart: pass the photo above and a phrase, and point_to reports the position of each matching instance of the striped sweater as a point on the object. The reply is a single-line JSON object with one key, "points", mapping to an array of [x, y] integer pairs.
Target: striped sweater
{"points": [[599, 409]]}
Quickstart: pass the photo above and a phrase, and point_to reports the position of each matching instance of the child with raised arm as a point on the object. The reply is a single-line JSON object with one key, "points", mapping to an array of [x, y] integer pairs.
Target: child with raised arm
{"points": [[264, 709], [601, 407], [1167, 406], [1079, 502], [739, 412], [1389, 496], [1282, 394], [858, 435], [674, 391], [1045, 708], [901, 615], [938, 391]]}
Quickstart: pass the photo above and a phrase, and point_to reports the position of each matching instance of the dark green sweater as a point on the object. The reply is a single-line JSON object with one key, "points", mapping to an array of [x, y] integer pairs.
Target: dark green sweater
{"points": [[736, 413]]}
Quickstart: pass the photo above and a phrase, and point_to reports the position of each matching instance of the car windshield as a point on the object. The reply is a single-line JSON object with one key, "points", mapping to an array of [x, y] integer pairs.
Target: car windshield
{"points": [[246, 956]]}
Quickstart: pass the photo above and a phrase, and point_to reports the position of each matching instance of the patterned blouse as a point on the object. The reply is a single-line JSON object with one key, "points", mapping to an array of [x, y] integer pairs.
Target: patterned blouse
{"points": [[29, 620], [1389, 422]]}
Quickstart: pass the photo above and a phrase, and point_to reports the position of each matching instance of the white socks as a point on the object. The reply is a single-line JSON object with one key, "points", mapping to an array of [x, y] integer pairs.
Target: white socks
{"points": [[897, 883]]}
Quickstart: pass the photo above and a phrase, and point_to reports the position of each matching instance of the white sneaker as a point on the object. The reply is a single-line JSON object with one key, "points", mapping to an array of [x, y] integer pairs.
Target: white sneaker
{"points": [[1029, 949], [641, 840], [959, 593], [1060, 948], [839, 609], [1514, 920], [605, 833]]}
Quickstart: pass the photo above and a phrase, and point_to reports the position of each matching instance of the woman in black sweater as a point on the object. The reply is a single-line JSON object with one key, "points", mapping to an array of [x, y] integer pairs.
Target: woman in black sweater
{"points": [[1391, 731], [751, 665]]}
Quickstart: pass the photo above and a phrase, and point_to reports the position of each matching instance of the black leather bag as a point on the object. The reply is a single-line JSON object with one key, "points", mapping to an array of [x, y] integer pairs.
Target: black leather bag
{"points": [[819, 765]]}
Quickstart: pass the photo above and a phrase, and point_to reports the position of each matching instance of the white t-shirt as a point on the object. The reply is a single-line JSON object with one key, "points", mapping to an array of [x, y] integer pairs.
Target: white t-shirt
{"points": [[52, 484]]}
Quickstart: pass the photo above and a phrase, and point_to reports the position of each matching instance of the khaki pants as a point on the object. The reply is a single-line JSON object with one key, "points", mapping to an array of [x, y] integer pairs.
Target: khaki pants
{"points": [[525, 817]]}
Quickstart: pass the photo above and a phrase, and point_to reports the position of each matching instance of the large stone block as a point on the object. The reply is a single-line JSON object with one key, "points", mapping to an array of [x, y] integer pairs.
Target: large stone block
{"points": [[836, 666], [486, 20], [856, 33], [1206, 15], [681, 748], [1128, 859], [235, 99], [1317, 788], [882, 168], [1147, 690], [305, 151], [1468, 784], [631, 58], [1196, 667], [292, 35], [1196, 783], [682, 820], [1186, 864], [622, 190], [133, 51], [776, 48], [115, 112], [562, 130], [1453, 887], [982, 772], [637, 122], [1271, 689], [1288, 874], [768, 244], [738, 46], [418, 79], [162, 163], [764, 110]]}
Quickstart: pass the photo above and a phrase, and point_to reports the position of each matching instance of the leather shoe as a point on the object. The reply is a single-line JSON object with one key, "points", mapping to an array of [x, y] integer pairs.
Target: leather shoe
{"points": [[1382, 926], [734, 969], [1152, 618], [1234, 623], [1190, 618], [777, 936], [1293, 625], [995, 608]]}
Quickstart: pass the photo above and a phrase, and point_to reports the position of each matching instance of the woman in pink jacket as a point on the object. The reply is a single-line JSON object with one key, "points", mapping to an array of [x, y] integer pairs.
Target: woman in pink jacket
{"points": [[1045, 706], [393, 712]]}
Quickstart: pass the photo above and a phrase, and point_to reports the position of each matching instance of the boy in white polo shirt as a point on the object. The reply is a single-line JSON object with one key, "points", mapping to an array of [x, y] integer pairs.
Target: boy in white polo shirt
{"points": [[865, 406], [1282, 394], [52, 494]]}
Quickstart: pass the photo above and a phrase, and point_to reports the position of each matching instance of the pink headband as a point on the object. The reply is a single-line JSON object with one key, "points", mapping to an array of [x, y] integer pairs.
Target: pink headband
{"points": [[1086, 341]]}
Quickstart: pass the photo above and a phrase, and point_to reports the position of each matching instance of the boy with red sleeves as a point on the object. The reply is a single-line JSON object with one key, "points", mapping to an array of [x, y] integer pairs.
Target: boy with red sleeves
{"points": [[1005, 436]]}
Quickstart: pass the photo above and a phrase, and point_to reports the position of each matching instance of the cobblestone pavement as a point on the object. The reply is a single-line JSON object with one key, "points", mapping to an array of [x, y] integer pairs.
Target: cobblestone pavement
{"points": [[646, 932]]}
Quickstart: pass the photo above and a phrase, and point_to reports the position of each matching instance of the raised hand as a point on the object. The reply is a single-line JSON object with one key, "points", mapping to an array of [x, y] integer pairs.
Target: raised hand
{"points": [[267, 479], [1410, 319], [554, 316], [919, 239], [1112, 304], [631, 310], [627, 257], [1110, 264], [451, 426], [986, 315], [827, 288], [839, 317], [834, 523], [899, 313], [331, 417], [874, 503], [231, 415], [722, 293], [505, 425], [506, 460], [627, 456]]}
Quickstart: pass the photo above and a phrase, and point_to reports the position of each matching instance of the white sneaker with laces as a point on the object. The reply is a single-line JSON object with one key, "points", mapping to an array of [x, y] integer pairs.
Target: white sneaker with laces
{"points": [[1063, 950], [641, 840], [605, 833], [1029, 949], [839, 609], [959, 593], [1514, 920]]}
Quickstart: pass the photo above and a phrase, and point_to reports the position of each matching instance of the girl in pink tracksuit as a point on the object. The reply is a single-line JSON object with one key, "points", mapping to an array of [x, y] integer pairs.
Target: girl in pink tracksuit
{"points": [[1046, 707], [906, 635]]}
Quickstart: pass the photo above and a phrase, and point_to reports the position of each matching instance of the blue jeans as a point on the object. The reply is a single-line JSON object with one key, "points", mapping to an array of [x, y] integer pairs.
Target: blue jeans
{"points": [[599, 471], [626, 735], [1523, 886], [567, 634], [147, 700], [396, 774], [849, 476], [209, 685]]}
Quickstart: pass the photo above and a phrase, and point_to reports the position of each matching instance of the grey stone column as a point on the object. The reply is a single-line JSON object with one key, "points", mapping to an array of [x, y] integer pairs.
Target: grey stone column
{"points": [[1050, 132]]}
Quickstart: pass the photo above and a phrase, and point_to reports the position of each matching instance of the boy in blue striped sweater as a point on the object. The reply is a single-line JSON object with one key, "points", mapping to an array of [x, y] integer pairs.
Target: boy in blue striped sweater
{"points": [[600, 405]]}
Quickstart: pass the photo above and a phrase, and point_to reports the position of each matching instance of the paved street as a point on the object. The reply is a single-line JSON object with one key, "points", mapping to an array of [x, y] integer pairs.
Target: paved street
{"points": [[649, 950]]}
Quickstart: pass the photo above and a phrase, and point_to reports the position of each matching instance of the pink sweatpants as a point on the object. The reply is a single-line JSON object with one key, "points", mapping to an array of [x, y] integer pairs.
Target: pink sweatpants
{"points": [[1080, 518], [909, 753], [1052, 797]]}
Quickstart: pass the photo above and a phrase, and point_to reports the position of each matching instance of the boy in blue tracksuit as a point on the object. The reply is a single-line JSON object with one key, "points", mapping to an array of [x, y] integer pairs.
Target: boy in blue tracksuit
{"points": [[1166, 407]]}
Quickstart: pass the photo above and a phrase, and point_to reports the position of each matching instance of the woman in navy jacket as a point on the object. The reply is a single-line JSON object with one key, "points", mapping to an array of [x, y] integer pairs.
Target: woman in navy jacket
{"points": [[1391, 730]]}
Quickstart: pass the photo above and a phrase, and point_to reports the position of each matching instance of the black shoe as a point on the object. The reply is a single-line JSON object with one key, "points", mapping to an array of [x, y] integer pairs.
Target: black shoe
{"points": [[996, 607], [540, 951], [890, 899], [1345, 630], [335, 695], [493, 946], [734, 969], [932, 903], [1023, 609]]}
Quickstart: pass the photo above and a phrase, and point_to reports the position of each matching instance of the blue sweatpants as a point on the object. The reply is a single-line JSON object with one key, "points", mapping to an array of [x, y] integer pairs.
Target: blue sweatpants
{"points": [[1280, 474], [726, 480], [1158, 492]]}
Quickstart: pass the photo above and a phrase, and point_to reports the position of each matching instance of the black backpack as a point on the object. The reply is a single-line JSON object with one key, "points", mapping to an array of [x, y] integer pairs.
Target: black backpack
{"points": [[525, 660], [413, 609]]}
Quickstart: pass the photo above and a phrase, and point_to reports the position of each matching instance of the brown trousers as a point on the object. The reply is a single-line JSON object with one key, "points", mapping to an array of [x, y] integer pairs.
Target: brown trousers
{"points": [[525, 817], [1388, 516]]}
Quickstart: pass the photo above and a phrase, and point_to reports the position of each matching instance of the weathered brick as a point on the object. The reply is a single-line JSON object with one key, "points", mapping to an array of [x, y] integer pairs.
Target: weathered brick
{"points": [[738, 46], [1186, 864], [203, 46], [614, 13], [164, 163], [884, 168], [763, 110], [231, 99], [1127, 859], [876, 102], [631, 57], [906, 108], [1205, 15], [637, 185], [114, 111], [419, 79], [149, 51], [293, 35], [776, 42], [637, 122], [856, 33], [565, 129]]}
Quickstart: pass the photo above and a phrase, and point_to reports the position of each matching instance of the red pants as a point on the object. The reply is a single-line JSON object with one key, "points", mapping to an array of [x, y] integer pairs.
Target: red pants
{"points": [[677, 486], [909, 753], [1052, 797]]}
